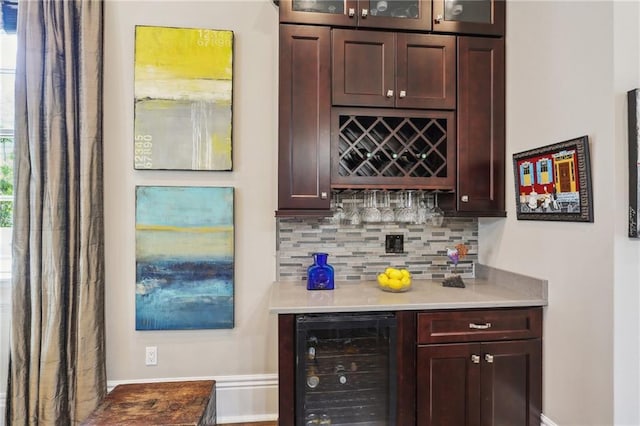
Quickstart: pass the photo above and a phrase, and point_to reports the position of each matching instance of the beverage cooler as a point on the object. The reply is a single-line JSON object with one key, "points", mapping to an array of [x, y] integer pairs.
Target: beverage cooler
{"points": [[346, 369]]}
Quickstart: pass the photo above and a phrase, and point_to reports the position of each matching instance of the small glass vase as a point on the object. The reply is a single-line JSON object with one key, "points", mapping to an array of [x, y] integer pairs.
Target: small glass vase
{"points": [[320, 274]]}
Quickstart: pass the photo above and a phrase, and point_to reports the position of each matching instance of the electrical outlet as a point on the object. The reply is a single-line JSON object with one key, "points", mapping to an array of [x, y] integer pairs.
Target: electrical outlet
{"points": [[394, 243], [151, 355]]}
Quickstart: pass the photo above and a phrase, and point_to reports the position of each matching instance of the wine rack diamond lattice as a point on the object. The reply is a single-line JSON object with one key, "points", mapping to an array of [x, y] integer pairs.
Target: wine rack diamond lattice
{"points": [[374, 146]]}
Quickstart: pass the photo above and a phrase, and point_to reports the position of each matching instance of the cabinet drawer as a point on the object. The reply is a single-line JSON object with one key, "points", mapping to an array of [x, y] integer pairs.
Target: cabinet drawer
{"points": [[479, 325]]}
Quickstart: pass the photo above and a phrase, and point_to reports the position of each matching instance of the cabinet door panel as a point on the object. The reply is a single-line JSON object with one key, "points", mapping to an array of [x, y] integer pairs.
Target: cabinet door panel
{"points": [[324, 12], [482, 17], [426, 71], [286, 370], [481, 128], [304, 118], [363, 68], [511, 383], [448, 389], [400, 14]]}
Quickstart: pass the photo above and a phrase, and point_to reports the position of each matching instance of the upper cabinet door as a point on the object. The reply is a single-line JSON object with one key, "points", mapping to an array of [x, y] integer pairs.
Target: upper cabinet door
{"points": [[481, 126], [363, 68], [324, 12], [484, 17], [400, 14], [393, 70], [304, 120], [425, 71]]}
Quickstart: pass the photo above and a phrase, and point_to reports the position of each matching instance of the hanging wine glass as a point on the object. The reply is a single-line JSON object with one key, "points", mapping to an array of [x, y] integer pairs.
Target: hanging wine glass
{"points": [[407, 213], [337, 209], [386, 212], [353, 215], [400, 205], [421, 213], [371, 213], [437, 215]]}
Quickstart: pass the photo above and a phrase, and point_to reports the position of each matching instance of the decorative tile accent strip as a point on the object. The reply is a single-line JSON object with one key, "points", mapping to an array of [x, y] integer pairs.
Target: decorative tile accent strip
{"points": [[357, 252]]}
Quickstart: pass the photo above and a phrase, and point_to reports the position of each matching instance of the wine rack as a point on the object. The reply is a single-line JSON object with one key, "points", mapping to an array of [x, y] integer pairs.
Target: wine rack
{"points": [[393, 149]]}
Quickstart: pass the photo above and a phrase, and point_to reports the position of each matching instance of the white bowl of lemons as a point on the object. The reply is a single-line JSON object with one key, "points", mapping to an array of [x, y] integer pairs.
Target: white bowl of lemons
{"points": [[394, 280]]}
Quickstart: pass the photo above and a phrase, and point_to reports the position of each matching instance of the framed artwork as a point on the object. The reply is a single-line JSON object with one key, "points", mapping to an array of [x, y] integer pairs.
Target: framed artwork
{"points": [[184, 258], [554, 182], [633, 101], [183, 98]]}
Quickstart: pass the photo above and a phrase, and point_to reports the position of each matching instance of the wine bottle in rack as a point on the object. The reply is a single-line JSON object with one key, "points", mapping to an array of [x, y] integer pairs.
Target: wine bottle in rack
{"points": [[341, 373], [312, 346], [312, 378]]}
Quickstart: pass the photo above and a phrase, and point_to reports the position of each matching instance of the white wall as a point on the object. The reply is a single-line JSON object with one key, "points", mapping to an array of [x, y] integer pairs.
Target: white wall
{"points": [[246, 356], [563, 82], [627, 251]]}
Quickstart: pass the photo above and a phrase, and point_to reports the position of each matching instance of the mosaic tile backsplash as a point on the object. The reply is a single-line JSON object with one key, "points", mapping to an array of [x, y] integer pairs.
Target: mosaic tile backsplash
{"points": [[357, 252]]}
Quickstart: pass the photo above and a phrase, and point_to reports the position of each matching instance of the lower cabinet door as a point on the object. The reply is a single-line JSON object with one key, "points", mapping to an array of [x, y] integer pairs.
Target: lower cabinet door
{"points": [[480, 384], [511, 383], [448, 388]]}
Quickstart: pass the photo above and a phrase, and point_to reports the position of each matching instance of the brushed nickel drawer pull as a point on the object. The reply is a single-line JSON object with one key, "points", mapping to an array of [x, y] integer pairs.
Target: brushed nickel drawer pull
{"points": [[488, 358], [484, 326], [475, 359]]}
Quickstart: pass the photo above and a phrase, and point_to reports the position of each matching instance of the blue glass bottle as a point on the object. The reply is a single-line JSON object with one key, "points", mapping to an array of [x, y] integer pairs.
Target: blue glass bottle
{"points": [[320, 274]]}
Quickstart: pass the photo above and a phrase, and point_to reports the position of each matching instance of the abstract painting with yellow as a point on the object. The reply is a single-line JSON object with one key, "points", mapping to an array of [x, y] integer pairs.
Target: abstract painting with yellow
{"points": [[183, 98], [184, 257]]}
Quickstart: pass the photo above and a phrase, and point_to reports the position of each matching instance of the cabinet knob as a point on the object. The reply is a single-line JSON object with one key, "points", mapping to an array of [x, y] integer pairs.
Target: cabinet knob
{"points": [[475, 359], [323, 195], [389, 93], [488, 358], [403, 93], [464, 198], [438, 19], [352, 12], [365, 12]]}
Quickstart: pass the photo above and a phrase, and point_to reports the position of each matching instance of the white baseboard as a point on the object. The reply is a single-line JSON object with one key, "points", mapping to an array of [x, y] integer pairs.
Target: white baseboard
{"points": [[545, 421], [3, 404], [239, 399]]}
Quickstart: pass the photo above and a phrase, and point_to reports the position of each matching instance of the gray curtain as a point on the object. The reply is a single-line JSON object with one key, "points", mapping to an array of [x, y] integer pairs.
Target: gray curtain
{"points": [[57, 357]]}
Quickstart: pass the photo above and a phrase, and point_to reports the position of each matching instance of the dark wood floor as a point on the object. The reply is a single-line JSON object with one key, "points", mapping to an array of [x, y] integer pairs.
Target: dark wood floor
{"points": [[252, 424]]}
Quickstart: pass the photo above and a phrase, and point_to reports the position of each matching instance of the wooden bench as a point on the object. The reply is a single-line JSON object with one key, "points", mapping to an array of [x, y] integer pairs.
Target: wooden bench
{"points": [[165, 403]]}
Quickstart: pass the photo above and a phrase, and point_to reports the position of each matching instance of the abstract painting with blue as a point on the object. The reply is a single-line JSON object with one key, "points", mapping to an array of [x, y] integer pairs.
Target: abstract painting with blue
{"points": [[184, 258]]}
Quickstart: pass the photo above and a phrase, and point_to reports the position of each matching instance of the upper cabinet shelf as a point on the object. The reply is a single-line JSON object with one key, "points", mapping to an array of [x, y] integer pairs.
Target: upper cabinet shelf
{"points": [[481, 17]]}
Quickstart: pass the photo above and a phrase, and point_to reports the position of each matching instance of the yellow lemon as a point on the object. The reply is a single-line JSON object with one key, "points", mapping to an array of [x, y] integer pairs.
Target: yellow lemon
{"points": [[383, 280], [395, 274], [395, 284], [406, 281], [388, 271], [405, 273]]}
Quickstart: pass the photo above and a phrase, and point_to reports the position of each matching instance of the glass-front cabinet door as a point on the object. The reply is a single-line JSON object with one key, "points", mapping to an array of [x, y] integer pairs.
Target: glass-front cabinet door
{"points": [[401, 14], [485, 17]]}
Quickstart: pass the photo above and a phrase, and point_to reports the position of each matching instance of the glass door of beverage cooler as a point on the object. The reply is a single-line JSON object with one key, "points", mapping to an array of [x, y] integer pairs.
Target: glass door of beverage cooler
{"points": [[346, 369]]}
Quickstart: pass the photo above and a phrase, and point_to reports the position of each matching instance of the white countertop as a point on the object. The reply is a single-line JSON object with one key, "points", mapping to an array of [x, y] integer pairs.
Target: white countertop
{"points": [[492, 288]]}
